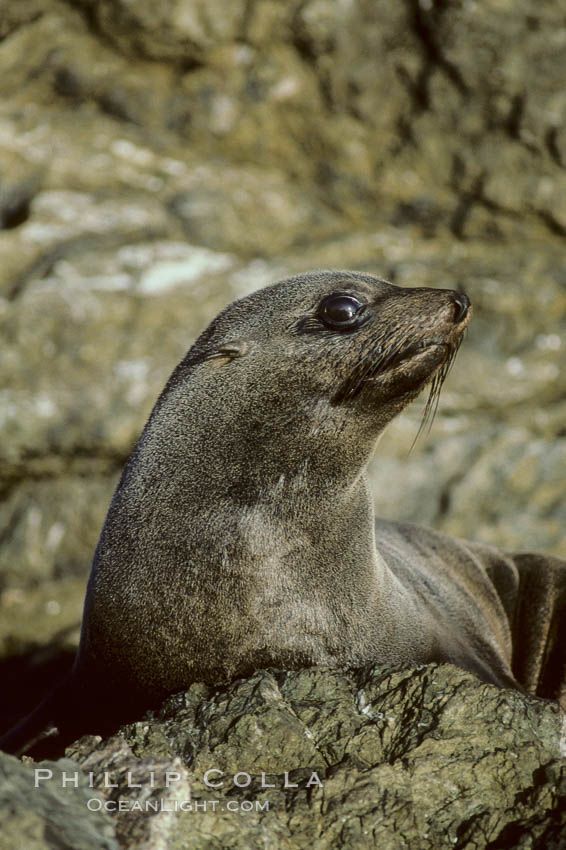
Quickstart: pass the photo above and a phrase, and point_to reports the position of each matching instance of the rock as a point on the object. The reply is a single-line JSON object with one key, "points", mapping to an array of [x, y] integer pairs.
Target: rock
{"points": [[217, 205], [383, 757], [176, 30], [46, 807], [145, 794]]}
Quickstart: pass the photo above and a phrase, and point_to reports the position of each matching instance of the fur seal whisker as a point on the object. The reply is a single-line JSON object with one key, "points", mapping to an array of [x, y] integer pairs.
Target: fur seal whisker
{"points": [[433, 399]]}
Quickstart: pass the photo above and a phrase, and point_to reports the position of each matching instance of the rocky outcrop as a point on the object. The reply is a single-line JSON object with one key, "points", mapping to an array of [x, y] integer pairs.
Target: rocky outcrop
{"points": [[317, 759]]}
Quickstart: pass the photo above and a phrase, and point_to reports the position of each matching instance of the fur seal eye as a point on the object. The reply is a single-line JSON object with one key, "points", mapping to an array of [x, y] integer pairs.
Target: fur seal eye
{"points": [[341, 311]]}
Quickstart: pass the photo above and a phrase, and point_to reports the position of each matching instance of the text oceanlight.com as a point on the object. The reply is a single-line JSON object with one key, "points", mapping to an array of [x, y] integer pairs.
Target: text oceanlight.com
{"points": [[161, 805]]}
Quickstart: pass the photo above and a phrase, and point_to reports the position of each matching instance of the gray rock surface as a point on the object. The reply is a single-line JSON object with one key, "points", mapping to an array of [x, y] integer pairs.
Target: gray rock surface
{"points": [[45, 806], [160, 159]]}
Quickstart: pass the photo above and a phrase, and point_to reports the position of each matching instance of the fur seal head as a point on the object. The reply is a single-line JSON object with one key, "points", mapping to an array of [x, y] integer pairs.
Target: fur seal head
{"points": [[297, 367]]}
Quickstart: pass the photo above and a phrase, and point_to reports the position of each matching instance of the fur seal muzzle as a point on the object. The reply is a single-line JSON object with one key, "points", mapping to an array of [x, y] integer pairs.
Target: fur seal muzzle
{"points": [[242, 535]]}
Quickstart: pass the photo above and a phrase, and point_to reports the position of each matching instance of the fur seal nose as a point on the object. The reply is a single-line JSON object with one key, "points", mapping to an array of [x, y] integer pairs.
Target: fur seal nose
{"points": [[461, 306]]}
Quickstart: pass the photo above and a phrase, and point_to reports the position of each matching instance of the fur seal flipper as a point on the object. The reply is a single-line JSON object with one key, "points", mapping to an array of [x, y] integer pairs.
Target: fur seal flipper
{"points": [[241, 534]]}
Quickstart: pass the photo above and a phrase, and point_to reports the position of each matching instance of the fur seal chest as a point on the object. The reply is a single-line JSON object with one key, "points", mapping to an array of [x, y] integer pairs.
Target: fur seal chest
{"points": [[242, 535]]}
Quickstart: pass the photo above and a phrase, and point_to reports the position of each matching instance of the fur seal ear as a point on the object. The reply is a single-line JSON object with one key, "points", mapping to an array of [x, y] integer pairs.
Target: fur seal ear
{"points": [[228, 351]]}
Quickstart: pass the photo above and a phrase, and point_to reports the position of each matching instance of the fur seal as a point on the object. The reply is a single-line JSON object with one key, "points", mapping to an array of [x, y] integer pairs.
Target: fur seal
{"points": [[242, 535]]}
